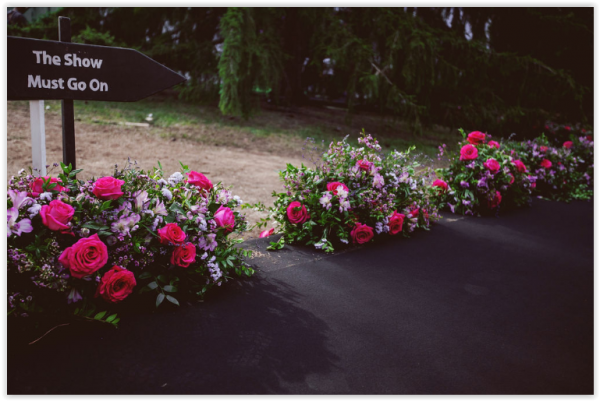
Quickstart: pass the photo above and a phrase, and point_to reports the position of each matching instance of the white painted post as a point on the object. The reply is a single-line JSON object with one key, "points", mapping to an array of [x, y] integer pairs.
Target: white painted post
{"points": [[38, 136]]}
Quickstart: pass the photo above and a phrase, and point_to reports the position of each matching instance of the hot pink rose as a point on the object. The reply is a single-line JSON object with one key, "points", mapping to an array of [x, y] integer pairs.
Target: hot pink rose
{"points": [[494, 144], [512, 178], [266, 233], [361, 233], [492, 165], [468, 152], [496, 201], [57, 215], [199, 180], [225, 218], [521, 168], [108, 188], [36, 186], [184, 255], [365, 165], [297, 213], [414, 212], [333, 186], [476, 137], [440, 184], [546, 163], [116, 285], [85, 256], [568, 144], [171, 234], [543, 148], [395, 222]]}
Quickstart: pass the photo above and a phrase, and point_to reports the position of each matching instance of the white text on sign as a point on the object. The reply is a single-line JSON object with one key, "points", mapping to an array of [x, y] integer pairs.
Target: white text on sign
{"points": [[70, 60]]}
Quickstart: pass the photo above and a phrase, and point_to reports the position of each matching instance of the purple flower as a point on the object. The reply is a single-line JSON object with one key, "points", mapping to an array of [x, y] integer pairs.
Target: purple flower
{"points": [[23, 226], [464, 184], [19, 199], [208, 243], [141, 200]]}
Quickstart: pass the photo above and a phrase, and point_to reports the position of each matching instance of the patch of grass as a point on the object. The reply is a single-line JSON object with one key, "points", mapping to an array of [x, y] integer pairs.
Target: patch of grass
{"points": [[205, 124]]}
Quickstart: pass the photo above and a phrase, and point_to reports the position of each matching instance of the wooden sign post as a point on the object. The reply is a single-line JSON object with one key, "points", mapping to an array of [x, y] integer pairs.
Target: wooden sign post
{"points": [[47, 69]]}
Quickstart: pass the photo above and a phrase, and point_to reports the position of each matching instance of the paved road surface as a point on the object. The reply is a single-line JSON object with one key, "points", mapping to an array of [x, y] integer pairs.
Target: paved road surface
{"points": [[477, 305]]}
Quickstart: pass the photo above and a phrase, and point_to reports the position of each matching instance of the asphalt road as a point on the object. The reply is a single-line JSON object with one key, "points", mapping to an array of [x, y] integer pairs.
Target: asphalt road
{"points": [[475, 306]]}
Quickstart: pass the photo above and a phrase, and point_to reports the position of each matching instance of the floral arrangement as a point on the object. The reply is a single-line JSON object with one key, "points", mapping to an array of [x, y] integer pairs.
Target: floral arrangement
{"points": [[482, 176], [75, 247], [564, 172], [355, 195]]}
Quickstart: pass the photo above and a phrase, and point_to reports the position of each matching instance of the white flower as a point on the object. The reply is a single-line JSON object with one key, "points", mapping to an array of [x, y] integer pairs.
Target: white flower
{"points": [[175, 178], [34, 210], [345, 241], [166, 193], [161, 182], [46, 196], [342, 193], [21, 171], [326, 200]]}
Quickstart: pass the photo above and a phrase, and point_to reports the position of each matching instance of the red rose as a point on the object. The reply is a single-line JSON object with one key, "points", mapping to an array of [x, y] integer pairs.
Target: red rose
{"points": [[116, 285], [589, 137], [543, 148], [199, 180], [225, 218], [494, 144], [108, 188], [171, 234], [333, 186], [361, 233], [440, 184], [395, 222], [36, 186], [496, 201], [365, 165], [568, 144], [184, 255], [476, 137], [521, 168], [492, 165], [546, 163], [468, 152], [266, 233], [414, 212], [57, 215], [297, 213], [85, 256], [567, 128]]}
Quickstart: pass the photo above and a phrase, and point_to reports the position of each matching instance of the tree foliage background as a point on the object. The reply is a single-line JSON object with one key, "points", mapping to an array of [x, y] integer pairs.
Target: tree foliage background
{"points": [[493, 69]]}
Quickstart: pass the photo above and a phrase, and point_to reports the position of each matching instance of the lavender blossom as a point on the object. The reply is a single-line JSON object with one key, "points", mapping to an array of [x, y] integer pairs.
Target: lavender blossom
{"points": [[23, 226]]}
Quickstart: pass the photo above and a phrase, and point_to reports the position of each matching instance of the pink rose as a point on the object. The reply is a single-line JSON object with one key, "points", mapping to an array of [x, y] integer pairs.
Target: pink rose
{"points": [[365, 165], [171, 234], [361, 233], [116, 285], [333, 186], [496, 201], [476, 137], [108, 188], [414, 212], [199, 180], [568, 144], [440, 184], [543, 148], [494, 144], [85, 256], [266, 233], [492, 165], [57, 215], [546, 163], [36, 186], [567, 128], [512, 178], [297, 213], [395, 222], [184, 255], [521, 168], [468, 152], [225, 218]]}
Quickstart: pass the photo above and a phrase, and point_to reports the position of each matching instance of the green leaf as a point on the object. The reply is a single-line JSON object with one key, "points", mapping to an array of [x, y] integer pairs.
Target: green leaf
{"points": [[153, 285], [105, 205], [94, 226], [117, 320], [99, 315], [170, 288], [159, 299], [162, 278], [145, 275], [172, 300], [111, 318]]}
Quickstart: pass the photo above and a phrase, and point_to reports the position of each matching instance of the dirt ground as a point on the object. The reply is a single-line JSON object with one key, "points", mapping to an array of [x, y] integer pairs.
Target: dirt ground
{"points": [[252, 173]]}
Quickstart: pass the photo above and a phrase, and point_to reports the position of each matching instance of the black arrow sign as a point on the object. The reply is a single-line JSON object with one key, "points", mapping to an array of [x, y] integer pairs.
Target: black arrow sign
{"points": [[46, 69]]}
